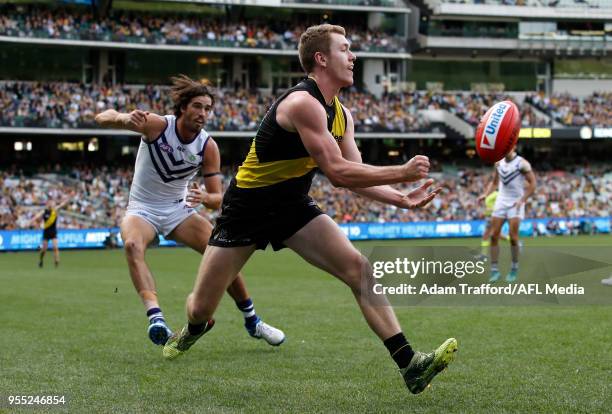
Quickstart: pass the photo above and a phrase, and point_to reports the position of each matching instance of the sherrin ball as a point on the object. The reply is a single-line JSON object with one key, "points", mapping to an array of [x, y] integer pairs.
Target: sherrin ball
{"points": [[498, 131]]}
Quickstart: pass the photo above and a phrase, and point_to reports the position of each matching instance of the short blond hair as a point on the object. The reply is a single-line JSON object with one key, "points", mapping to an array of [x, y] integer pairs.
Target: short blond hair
{"points": [[316, 39]]}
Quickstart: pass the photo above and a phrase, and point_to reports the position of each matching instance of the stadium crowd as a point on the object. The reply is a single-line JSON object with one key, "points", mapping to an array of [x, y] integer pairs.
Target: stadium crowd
{"points": [[99, 196], [73, 105], [559, 194], [201, 30], [594, 110], [471, 106]]}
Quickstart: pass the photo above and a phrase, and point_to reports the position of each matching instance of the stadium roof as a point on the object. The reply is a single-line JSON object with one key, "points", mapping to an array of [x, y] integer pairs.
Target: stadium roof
{"points": [[531, 47], [480, 11], [387, 6]]}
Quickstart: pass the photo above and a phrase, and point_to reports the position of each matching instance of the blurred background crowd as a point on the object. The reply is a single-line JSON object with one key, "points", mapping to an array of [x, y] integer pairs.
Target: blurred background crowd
{"points": [[99, 195], [73, 105]]}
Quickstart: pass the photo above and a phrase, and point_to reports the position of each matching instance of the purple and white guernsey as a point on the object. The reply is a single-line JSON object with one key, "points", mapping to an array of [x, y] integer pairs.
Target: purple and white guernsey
{"points": [[512, 179], [165, 167]]}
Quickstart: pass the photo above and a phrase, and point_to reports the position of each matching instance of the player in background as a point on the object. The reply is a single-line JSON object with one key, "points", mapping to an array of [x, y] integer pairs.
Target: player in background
{"points": [[607, 281], [172, 150], [485, 242], [516, 182], [49, 216], [268, 203]]}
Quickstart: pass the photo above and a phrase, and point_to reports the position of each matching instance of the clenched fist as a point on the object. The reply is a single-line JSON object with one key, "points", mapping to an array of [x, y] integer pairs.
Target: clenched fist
{"points": [[135, 119], [417, 168]]}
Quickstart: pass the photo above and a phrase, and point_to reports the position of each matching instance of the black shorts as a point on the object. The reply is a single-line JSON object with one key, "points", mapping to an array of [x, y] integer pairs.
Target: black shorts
{"points": [[49, 234], [261, 216]]}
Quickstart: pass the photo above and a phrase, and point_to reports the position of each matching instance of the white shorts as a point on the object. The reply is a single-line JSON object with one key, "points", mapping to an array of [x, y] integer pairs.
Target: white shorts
{"points": [[505, 209], [163, 220]]}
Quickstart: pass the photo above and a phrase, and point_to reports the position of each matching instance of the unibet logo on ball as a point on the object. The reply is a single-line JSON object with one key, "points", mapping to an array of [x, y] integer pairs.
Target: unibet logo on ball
{"points": [[498, 131]]}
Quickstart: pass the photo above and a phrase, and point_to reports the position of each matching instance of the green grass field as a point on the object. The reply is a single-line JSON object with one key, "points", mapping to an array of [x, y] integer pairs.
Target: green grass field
{"points": [[79, 331]]}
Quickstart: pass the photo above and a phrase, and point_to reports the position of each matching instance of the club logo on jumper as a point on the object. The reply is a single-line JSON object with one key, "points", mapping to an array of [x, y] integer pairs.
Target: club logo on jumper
{"points": [[190, 158], [166, 148], [338, 139], [493, 124], [180, 148]]}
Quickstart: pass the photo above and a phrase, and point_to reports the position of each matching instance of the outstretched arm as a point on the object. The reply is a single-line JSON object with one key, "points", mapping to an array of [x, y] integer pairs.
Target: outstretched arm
{"points": [[63, 203], [147, 124], [383, 193], [302, 113], [36, 217]]}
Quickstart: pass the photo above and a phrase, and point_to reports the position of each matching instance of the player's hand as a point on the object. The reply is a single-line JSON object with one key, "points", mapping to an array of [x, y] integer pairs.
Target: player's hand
{"points": [[420, 197], [195, 196], [135, 119], [417, 168], [481, 198]]}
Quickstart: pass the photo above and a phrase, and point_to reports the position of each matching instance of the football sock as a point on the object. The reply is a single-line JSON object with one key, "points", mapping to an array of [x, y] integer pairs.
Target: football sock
{"points": [[196, 329], [494, 253], [484, 247], [514, 249], [155, 313], [494, 267], [248, 311], [400, 349], [515, 266]]}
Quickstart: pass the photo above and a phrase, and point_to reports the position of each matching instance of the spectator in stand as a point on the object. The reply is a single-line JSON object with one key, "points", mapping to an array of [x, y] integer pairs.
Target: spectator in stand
{"points": [[99, 197], [594, 110], [121, 26], [72, 105]]}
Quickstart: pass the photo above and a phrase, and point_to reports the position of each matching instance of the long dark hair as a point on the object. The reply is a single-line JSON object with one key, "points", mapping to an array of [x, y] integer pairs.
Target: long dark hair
{"points": [[184, 89]]}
